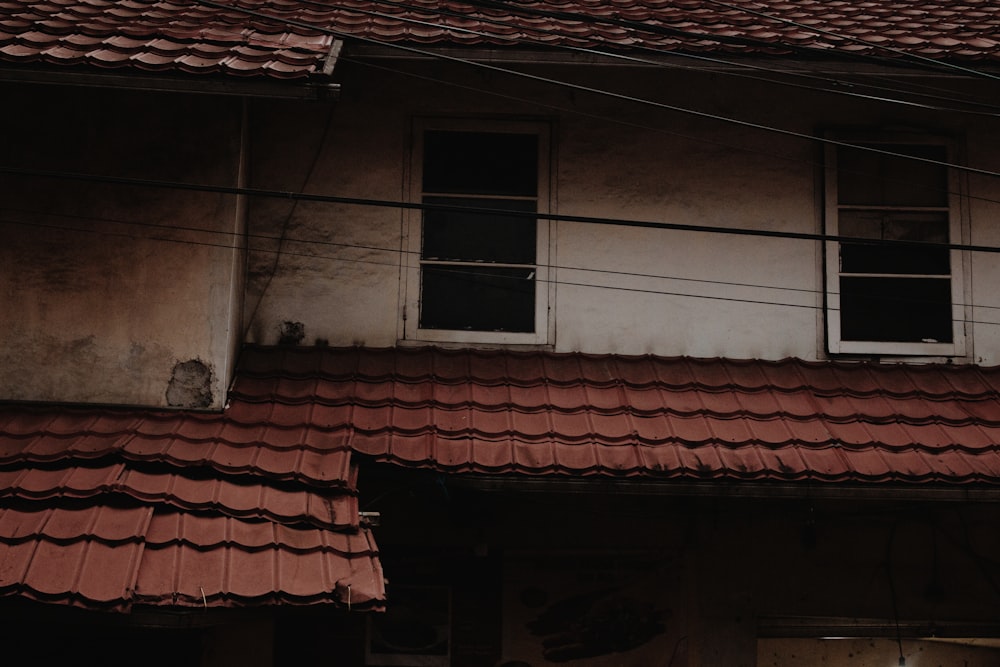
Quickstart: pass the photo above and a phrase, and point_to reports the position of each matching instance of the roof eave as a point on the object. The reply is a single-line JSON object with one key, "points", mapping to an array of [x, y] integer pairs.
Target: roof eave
{"points": [[709, 61], [808, 490], [318, 88]]}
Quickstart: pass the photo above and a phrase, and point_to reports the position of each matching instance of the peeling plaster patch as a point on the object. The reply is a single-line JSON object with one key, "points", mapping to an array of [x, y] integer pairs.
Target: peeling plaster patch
{"points": [[190, 385], [292, 333]]}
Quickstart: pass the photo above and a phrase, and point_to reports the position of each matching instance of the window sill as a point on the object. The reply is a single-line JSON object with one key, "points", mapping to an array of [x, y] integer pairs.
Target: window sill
{"points": [[903, 350], [465, 345]]}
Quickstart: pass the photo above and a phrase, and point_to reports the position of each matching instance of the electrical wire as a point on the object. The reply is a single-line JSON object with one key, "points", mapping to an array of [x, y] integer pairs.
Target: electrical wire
{"points": [[288, 217], [706, 139], [667, 225], [682, 34], [937, 64], [592, 90], [926, 63], [838, 88], [892, 591], [485, 273], [493, 92], [404, 253], [284, 194], [351, 246], [507, 213], [644, 27]]}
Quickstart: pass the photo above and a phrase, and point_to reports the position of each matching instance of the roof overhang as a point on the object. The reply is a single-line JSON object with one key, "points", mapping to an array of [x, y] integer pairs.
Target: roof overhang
{"points": [[319, 89], [697, 61], [806, 490]]}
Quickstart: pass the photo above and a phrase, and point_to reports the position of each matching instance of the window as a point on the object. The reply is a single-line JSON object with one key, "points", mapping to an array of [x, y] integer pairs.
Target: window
{"points": [[479, 275], [885, 298]]}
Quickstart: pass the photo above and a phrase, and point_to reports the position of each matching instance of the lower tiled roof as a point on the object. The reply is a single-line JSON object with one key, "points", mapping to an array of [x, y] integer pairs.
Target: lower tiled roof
{"points": [[111, 508], [110, 557], [537, 413]]}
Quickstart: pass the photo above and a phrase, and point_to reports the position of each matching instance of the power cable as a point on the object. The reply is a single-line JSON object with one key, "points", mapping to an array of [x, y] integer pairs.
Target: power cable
{"points": [[722, 230], [701, 139], [927, 63], [288, 217], [350, 246], [486, 273], [648, 28], [595, 91], [481, 273], [938, 64], [533, 215], [838, 88]]}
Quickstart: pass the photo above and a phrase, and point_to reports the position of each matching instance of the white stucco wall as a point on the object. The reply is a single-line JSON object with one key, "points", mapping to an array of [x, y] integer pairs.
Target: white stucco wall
{"points": [[619, 289], [108, 289]]}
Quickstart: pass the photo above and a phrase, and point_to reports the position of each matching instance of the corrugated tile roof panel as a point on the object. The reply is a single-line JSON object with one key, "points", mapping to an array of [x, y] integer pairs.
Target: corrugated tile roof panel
{"points": [[106, 557], [267, 486], [117, 507], [244, 498], [574, 414]]}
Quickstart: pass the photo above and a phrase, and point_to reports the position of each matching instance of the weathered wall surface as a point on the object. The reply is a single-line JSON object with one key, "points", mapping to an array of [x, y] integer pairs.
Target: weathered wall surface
{"points": [[618, 289], [124, 294], [114, 293]]}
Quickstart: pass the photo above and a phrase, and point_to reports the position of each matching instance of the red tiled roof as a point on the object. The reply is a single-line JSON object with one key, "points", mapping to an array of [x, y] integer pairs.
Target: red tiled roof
{"points": [[109, 508], [111, 557], [245, 499], [535, 413], [184, 36], [292, 38], [106, 508]]}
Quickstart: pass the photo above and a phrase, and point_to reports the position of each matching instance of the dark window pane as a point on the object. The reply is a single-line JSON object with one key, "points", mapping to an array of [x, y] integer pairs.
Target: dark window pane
{"points": [[909, 310], [480, 298], [874, 259], [486, 163], [488, 237], [895, 226], [875, 179], [930, 226]]}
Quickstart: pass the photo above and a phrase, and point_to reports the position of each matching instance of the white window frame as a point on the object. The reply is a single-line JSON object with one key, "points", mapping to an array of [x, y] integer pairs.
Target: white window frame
{"points": [[412, 242], [957, 347]]}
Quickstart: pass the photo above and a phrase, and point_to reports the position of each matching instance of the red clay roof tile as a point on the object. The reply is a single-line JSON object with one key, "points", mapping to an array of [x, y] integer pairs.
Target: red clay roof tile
{"points": [[237, 497], [147, 507], [113, 558], [267, 488], [295, 37], [580, 414]]}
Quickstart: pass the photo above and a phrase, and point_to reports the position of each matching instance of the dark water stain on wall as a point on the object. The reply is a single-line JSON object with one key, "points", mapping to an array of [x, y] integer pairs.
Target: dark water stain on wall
{"points": [[190, 385]]}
